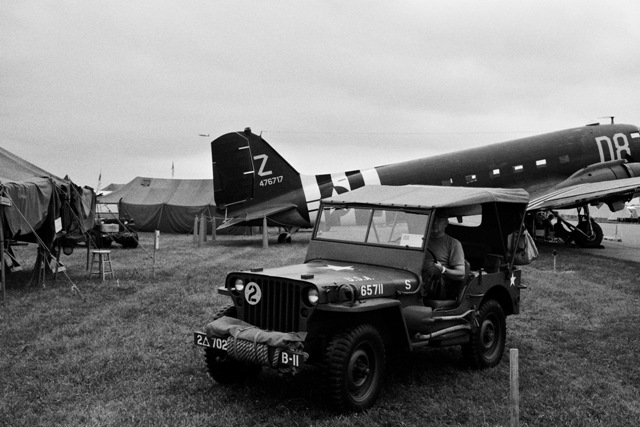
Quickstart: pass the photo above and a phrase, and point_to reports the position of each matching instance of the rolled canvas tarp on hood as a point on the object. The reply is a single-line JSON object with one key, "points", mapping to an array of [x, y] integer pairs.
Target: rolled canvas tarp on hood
{"points": [[168, 205]]}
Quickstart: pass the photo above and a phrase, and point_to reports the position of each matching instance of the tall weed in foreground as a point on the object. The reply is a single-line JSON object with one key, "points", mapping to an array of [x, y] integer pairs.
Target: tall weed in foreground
{"points": [[121, 353]]}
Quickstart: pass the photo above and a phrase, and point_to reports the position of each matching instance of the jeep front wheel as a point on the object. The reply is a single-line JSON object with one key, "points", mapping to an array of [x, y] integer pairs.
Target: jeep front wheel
{"points": [[354, 362], [488, 337], [223, 369]]}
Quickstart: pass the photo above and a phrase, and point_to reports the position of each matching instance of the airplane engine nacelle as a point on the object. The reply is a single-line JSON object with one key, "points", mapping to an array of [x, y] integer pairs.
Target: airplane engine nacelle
{"points": [[605, 171]]}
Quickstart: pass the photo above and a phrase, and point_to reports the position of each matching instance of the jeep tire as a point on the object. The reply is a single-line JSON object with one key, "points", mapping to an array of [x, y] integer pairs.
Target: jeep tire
{"points": [[223, 369], [488, 337], [354, 363]]}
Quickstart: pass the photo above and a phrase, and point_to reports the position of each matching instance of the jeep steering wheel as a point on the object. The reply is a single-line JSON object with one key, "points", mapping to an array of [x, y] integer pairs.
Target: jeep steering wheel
{"points": [[431, 276], [433, 256]]}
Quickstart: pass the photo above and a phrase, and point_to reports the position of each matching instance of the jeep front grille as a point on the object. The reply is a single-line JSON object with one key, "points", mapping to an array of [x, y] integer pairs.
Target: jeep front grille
{"points": [[279, 306]]}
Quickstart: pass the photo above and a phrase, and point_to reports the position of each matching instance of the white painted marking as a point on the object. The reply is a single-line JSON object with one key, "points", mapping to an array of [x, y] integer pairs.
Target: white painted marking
{"points": [[311, 194], [370, 177]]}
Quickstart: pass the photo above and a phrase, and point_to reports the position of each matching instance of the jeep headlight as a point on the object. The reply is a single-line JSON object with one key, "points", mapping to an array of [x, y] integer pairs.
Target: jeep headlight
{"points": [[313, 296], [238, 285]]}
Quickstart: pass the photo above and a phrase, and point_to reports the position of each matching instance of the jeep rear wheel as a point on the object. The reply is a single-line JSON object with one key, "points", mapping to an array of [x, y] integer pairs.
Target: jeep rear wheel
{"points": [[223, 369], [488, 338], [354, 362]]}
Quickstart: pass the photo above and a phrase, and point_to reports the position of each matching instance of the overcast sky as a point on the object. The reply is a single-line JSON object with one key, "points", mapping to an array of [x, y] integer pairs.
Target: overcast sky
{"points": [[126, 87]]}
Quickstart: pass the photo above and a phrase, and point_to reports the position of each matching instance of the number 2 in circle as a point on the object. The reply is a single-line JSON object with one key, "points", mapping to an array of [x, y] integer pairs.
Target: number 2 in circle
{"points": [[252, 293]]}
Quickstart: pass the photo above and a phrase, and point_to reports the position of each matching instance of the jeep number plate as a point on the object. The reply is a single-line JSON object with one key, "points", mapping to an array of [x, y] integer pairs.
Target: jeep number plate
{"points": [[203, 340]]}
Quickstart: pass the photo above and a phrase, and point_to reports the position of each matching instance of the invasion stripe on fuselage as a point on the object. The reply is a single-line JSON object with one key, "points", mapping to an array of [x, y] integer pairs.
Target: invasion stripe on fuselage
{"points": [[325, 184], [370, 177], [355, 179], [311, 192], [316, 187], [340, 183]]}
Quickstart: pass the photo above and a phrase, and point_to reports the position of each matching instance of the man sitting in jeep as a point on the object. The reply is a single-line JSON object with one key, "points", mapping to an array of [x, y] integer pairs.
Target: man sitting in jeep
{"points": [[449, 258]]}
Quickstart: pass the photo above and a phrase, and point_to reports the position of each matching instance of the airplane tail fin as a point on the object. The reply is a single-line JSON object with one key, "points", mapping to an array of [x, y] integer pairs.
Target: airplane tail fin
{"points": [[247, 170]]}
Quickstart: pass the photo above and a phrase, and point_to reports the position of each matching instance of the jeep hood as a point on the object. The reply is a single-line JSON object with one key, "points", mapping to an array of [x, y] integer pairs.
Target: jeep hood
{"points": [[323, 273]]}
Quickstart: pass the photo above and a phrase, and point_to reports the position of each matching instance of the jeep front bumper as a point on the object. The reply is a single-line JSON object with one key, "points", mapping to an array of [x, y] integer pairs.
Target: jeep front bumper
{"points": [[241, 341]]}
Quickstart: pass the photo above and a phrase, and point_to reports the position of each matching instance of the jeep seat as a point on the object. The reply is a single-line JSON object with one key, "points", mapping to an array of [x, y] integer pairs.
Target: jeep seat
{"points": [[454, 290]]}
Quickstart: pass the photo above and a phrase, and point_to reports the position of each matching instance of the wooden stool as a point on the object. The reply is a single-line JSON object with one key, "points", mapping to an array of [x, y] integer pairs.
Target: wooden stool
{"points": [[101, 259]]}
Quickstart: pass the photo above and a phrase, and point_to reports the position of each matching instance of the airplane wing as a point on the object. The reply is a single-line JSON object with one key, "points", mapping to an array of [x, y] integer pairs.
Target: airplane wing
{"points": [[589, 193], [254, 216]]}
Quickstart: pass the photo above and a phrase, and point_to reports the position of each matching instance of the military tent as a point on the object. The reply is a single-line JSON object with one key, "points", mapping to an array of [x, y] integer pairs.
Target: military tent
{"points": [[168, 205], [39, 206]]}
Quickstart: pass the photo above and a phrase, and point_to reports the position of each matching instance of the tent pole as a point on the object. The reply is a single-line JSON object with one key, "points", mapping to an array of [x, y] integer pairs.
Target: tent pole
{"points": [[88, 245], [4, 201]]}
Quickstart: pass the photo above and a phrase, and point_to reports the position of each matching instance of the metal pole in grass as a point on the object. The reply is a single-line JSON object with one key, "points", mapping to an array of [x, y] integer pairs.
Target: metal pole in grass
{"points": [[195, 229], [2, 273], [156, 246], [265, 238], [89, 240], [555, 254], [213, 228], [203, 228], [515, 386]]}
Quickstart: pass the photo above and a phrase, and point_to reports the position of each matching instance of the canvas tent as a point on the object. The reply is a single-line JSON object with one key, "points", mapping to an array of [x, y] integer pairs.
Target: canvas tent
{"points": [[111, 187], [168, 205], [41, 207]]}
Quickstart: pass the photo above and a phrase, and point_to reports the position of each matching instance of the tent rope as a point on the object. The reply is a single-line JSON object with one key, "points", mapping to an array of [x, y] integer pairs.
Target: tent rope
{"points": [[42, 245]]}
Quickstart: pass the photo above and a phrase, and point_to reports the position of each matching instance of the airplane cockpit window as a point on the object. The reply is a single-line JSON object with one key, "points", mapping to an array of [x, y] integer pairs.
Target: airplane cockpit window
{"points": [[385, 227], [518, 169], [541, 163]]}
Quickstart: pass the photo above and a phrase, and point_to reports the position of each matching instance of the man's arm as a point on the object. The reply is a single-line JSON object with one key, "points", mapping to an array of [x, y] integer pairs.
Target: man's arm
{"points": [[454, 273]]}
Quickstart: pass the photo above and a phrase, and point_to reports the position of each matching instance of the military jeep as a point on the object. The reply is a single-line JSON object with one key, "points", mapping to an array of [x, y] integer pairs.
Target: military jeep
{"points": [[364, 289]]}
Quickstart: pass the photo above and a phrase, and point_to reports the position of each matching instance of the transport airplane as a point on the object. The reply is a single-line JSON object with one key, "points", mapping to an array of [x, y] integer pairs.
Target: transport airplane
{"points": [[573, 168]]}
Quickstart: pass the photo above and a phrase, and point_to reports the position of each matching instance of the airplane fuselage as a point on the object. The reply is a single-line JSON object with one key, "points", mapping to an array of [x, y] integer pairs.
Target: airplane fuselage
{"points": [[536, 163]]}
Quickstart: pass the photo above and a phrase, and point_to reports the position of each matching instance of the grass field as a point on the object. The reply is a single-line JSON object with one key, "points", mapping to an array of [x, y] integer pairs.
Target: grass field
{"points": [[121, 353]]}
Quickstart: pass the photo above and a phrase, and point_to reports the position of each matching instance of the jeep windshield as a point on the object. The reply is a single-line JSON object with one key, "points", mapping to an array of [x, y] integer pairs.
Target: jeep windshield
{"points": [[372, 226]]}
